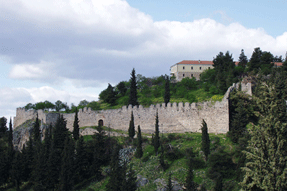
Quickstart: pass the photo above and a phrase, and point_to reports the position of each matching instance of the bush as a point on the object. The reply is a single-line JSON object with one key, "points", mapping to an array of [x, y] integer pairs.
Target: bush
{"points": [[173, 153]]}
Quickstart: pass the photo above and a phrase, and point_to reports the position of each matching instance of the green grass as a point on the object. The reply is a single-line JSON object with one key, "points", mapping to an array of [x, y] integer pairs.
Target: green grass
{"points": [[148, 166]]}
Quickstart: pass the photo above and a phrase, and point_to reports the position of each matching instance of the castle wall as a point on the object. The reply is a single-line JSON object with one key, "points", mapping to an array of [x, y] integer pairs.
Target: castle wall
{"points": [[173, 118]]}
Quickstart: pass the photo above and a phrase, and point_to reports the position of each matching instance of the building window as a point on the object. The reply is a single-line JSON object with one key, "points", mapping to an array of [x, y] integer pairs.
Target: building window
{"points": [[191, 67], [182, 75], [208, 67], [183, 68], [191, 75], [200, 68]]}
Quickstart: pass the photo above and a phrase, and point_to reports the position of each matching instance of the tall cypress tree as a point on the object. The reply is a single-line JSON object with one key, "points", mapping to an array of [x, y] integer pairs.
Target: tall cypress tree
{"points": [[167, 90], [10, 136], [3, 126], [189, 182], [133, 99], [116, 176], [132, 127], [81, 162], [16, 170], [60, 133], [169, 183], [205, 141], [139, 151], [266, 151], [156, 137], [66, 181], [76, 126], [36, 131]]}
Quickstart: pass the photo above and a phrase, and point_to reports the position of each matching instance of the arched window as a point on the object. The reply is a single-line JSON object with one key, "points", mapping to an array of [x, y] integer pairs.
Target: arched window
{"points": [[101, 123]]}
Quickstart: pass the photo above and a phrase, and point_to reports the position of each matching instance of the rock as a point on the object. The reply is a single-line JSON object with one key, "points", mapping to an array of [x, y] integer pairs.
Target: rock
{"points": [[161, 185], [141, 181]]}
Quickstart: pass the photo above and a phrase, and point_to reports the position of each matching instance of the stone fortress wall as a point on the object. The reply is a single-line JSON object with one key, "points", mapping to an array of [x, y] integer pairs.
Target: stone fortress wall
{"points": [[173, 118]]}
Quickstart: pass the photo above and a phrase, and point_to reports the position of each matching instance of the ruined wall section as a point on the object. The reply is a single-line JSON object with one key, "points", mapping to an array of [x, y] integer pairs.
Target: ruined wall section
{"points": [[172, 119]]}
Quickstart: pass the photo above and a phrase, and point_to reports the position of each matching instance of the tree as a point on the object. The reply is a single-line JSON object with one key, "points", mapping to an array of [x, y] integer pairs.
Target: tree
{"points": [[116, 174], [161, 158], [132, 127], [242, 59], [129, 179], [59, 105], [16, 170], [205, 141], [76, 126], [156, 137], [218, 183], [139, 151], [166, 90], [169, 183], [67, 169], [60, 133], [189, 182], [266, 150], [133, 99], [3, 126], [81, 162], [36, 131], [10, 136]]}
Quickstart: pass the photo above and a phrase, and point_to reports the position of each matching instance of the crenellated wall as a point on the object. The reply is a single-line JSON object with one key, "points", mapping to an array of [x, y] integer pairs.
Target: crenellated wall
{"points": [[174, 117]]}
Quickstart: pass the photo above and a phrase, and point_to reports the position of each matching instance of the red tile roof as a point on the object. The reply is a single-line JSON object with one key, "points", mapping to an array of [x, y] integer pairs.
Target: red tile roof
{"points": [[211, 62], [195, 62]]}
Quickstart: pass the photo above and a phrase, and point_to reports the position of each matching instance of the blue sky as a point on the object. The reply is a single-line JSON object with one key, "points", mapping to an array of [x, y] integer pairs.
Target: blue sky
{"points": [[71, 49]]}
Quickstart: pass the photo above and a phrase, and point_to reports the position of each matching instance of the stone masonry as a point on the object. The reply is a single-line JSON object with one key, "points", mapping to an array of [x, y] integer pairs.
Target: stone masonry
{"points": [[173, 118]]}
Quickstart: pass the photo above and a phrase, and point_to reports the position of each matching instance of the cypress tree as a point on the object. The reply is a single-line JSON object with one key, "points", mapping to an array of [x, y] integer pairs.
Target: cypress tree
{"points": [[218, 183], [156, 137], [10, 136], [167, 90], [161, 158], [116, 178], [205, 141], [131, 180], [39, 170], [133, 99], [189, 182], [81, 162], [66, 182], [3, 126], [16, 170], [139, 151], [242, 59], [36, 131], [132, 127], [28, 158], [266, 151], [169, 183], [76, 126], [60, 133]]}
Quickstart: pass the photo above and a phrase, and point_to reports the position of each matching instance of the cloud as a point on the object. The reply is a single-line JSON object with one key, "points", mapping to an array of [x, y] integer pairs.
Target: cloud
{"points": [[94, 41]]}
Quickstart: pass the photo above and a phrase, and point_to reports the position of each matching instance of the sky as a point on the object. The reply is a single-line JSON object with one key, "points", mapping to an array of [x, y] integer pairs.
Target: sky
{"points": [[70, 50]]}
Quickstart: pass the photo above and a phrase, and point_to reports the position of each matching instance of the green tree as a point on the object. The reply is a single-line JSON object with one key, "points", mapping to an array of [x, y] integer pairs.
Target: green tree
{"points": [[205, 141], [60, 133], [3, 126], [81, 161], [37, 131], [189, 181], [59, 105], [16, 170], [242, 59], [76, 129], [139, 151], [218, 183], [116, 175], [169, 183], [266, 150], [132, 127], [161, 158], [166, 90], [156, 137], [10, 137], [133, 99], [66, 181]]}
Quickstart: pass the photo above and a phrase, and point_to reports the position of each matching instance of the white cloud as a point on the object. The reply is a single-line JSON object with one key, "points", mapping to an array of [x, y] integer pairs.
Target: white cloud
{"points": [[75, 47]]}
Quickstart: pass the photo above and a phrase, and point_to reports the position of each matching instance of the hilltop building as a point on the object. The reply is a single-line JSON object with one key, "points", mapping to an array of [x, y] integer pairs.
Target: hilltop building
{"points": [[193, 68], [189, 68]]}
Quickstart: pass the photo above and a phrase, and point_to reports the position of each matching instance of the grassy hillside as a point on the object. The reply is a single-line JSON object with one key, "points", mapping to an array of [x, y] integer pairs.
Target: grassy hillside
{"points": [[176, 148]]}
